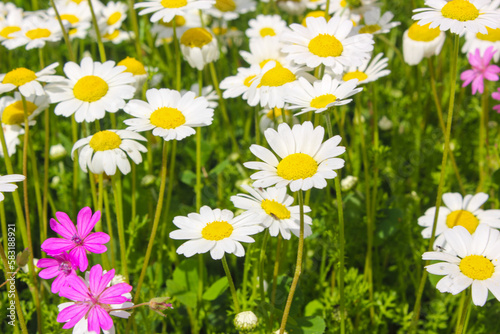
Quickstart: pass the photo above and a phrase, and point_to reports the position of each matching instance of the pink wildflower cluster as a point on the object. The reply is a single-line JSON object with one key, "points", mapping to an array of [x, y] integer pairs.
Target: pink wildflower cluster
{"points": [[481, 70]]}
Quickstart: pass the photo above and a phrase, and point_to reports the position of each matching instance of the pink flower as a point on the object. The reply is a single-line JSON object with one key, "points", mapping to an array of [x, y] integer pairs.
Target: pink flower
{"points": [[496, 96], [77, 240], [93, 302], [481, 69], [63, 266]]}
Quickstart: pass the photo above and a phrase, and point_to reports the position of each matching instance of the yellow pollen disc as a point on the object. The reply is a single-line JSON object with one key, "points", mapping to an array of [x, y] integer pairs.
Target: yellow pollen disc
{"points": [[460, 10], [13, 114], [115, 17], [72, 31], [423, 33], [179, 22], [277, 76], [492, 36], [267, 32], [111, 36], [70, 18], [38, 33], [316, 13], [133, 66], [476, 267], [5, 32], [462, 218], [173, 3], [325, 45], [217, 230], [105, 140], [167, 118], [225, 5], [19, 76], [275, 209], [297, 166], [219, 31], [77, 1], [276, 112], [361, 76], [322, 101], [196, 37], [370, 29], [90, 88], [248, 80], [343, 3]]}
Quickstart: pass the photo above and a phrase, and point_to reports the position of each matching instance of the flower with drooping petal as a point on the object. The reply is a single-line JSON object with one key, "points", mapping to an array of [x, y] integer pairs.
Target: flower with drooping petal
{"points": [[199, 47], [61, 267], [371, 70], [471, 261], [5, 183], [481, 69], [93, 301], [77, 240], [27, 81], [376, 23], [420, 41], [482, 42], [496, 96]]}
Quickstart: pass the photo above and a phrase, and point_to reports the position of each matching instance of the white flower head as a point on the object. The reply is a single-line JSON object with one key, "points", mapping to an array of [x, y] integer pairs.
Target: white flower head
{"points": [[266, 26], [240, 83], [35, 32], [482, 42], [12, 109], [264, 50], [27, 81], [231, 9], [421, 41], [76, 17], [11, 21], [166, 9], [112, 16], [376, 23], [199, 47], [6, 183], [370, 70]]}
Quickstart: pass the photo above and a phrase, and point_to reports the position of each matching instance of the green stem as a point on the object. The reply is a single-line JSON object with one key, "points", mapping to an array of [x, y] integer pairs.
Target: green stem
{"points": [[465, 304], [3, 219], [275, 279], [262, 258], [64, 32], [102, 52], [133, 191], [76, 170], [453, 77], [117, 190], [135, 27], [231, 285], [110, 228], [298, 265], [177, 57], [482, 137], [46, 157]]}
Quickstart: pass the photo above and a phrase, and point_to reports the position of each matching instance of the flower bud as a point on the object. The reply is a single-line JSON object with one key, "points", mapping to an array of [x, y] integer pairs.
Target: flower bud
{"points": [[246, 321], [348, 182], [57, 152]]}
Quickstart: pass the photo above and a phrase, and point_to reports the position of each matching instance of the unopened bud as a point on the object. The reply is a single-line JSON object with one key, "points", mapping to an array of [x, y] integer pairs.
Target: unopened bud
{"points": [[385, 124], [348, 182], [148, 180], [159, 304], [57, 152], [246, 321]]}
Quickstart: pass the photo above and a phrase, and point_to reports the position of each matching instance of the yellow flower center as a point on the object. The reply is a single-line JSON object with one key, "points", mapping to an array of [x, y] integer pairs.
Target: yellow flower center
{"points": [[5, 32], [219, 31], [13, 114], [276, 112], [492, 36], [297, 166], [477, 267], [173, 3], [179, 22], [370, 29], [316, 13], [105, 140], [217, 230], [72, 31], [322, 101], [77, 1], [90, 88], [460, 10], [275, 209], [267, 32], [277, 76], [115, 17], [70, 18], [38, 33], [462, 218], [167, 118], [19, 76], [361, 76], [343, 3], [423, 33], [325, 45], [225, 5], [133, 66], [111, 36], [196, 37], [248, 80]]}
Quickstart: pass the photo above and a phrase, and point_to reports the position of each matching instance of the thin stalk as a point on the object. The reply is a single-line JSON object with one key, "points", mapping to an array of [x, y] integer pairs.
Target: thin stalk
{"points": [[482, 137], [36, 180], [102, 52], [177, 57], [231, 285], [133, 191], [463, 316], [453, 77], [117, 189], [246, 267], [76, 170], [261, 268], [110, 228], [298, 265], [3, 219], [45, 176], [64, 32], [135, 27], [275, 279]]}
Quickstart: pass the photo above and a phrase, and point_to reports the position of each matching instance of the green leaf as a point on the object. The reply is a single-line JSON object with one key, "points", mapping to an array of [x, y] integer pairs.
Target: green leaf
{"points": [[216, 289], [307, 325], [314, 308], [184, 285], [188, 177]]}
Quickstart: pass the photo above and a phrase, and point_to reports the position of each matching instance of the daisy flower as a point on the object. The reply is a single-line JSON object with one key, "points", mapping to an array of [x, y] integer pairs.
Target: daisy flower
{"points": [[266, 26], [472, 261], [77, 240], [263, 51], [458, 211], [199, 47], [6, 183], [105, 150], [231, 9], [481, 69], [117, 36], [169, 114], [166, 9], [240, 83], [327, 43], [77, 15], [270, 118], [61, 267], [91, 89], [305, 161], [321, 94], [164, 30], [11, 22], [270, 87], [496, 96], [35, 32], [12, 109], [371, 70], [458, 16], [137, 69], [27, 81], [272, 208], [316, 13], [112, 16], [375, 23], [483, 42], [421, 41], [214, 230], [93, 301]]}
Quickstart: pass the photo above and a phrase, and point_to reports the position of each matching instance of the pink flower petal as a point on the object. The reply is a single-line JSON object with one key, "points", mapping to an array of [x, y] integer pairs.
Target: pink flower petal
{"points": [[55, 246], [49, 273], [86, 221], [80, 256], [98, 281], [97, 238], [72, 314], [99, 318], [66, 228], [60, 282], [45, 263], [113, 294]]}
